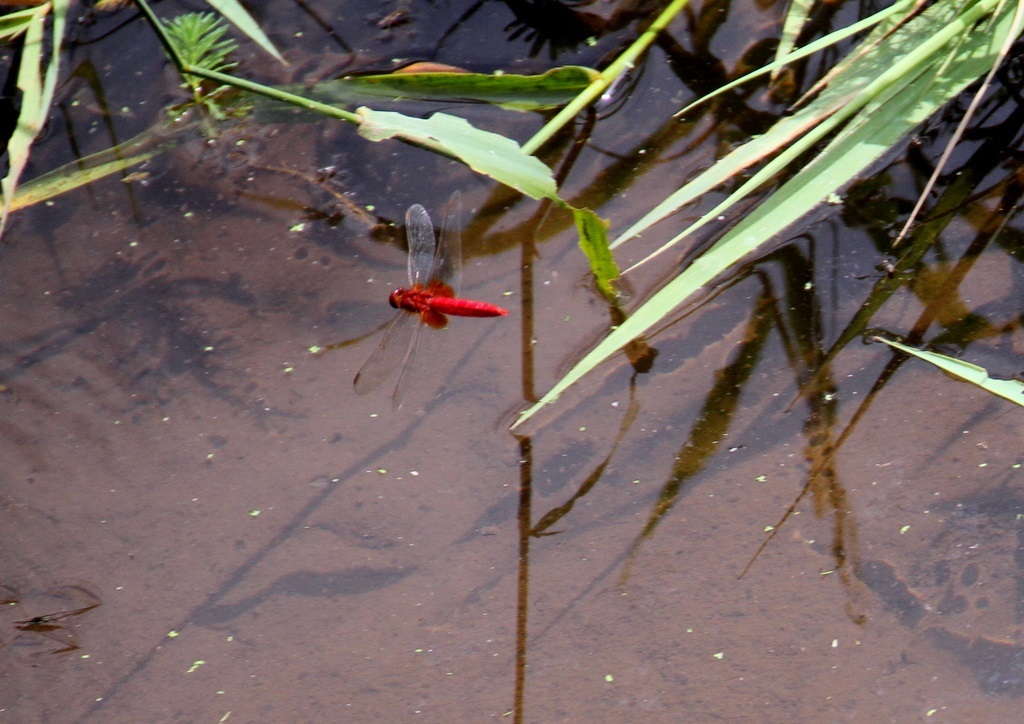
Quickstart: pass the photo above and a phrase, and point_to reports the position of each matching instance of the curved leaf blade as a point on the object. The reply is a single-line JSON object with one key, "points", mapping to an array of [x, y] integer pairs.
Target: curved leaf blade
{"points": [[1012, 390], [37, 89], [488, 153], [238, 16]]}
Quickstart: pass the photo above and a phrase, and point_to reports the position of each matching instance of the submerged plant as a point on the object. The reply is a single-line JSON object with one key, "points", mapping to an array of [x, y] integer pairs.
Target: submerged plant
{"points": [[199, 38]]}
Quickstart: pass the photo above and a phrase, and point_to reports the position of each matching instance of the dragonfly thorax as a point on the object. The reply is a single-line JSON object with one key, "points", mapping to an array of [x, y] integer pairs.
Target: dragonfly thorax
{"points": [[419, 299], [411, 300]]}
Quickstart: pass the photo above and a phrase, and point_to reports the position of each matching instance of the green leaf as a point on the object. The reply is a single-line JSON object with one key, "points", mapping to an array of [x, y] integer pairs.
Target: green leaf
{"points": [[895, 11], [14, 24], [199, 39], [233, 11], [493, 155], [648, 315], [504, 161], [514, 92], [488, 153], [797, 15], [1012, 390], [37, 94], [593, 233]]}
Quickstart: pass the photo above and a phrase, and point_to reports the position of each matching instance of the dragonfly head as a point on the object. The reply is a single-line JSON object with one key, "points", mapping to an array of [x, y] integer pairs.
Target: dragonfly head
{"points": [[395, 298]]}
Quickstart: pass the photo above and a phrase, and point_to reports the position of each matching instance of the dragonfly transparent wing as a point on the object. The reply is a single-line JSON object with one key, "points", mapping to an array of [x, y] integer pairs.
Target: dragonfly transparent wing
{"points": [[428, 262], [422, 246], [410, 374], [389, 355], [448, 259]]}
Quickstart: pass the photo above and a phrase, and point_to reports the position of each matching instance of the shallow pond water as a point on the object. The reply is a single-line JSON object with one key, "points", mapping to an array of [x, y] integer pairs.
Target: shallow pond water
{"points": [[202, 521]]}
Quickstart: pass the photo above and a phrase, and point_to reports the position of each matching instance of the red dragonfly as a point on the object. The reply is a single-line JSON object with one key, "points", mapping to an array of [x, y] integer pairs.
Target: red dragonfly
{"points": [[434, 272]]}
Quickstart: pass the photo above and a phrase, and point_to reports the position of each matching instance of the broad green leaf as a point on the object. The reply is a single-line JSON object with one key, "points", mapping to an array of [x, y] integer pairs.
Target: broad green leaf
{"points": [[515, 92], [1012, 390], [488, 153], [501, 159], [233, 11]]}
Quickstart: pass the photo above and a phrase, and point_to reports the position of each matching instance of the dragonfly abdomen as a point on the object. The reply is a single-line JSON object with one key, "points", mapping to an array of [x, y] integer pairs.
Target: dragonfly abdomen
{"points": [[465, 307]]}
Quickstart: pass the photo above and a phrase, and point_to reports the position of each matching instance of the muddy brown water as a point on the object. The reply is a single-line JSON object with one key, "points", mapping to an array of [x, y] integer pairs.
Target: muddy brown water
{"points": [[202, 522]]}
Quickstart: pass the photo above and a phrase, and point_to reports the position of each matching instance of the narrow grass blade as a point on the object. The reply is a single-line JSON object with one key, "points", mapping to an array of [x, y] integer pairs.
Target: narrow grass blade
{"points": [[895, 111], [14, 24], [622, 64], [233, 11], [37, 89], [796, 18], [1012, 390], [851, 94], [891, 14], [114, 160]]}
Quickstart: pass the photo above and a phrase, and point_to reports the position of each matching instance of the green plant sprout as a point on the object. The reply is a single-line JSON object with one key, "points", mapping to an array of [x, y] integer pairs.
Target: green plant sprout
{"points": [[199, 37]]}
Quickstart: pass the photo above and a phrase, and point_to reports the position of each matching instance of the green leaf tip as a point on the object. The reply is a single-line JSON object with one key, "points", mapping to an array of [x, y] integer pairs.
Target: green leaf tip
{"points": [[1012, 390]]}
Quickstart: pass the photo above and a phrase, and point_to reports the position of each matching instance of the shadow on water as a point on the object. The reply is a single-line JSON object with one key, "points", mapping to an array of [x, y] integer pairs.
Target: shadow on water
{"points": [[45, 634], [156, 337]]}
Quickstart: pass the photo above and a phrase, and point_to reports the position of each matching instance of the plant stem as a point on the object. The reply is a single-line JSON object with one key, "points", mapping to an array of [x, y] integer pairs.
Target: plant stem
{"points": [[620, 65]]}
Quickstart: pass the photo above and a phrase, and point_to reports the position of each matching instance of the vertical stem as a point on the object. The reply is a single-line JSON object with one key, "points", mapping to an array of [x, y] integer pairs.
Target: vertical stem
{"points": [[527, 254], [523, 588]]}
